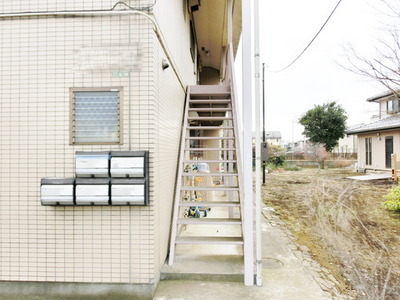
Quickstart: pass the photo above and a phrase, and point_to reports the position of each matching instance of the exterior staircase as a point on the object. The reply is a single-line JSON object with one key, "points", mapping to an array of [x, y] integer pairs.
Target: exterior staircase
{"points": [[208, 169]]}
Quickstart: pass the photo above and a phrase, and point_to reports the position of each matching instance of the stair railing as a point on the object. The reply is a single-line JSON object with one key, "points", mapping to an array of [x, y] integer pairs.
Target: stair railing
{"points": [[229, 80]]}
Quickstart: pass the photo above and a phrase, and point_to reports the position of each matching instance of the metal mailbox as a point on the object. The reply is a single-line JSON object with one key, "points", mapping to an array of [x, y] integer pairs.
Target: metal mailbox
{"points": [[92, 191], [128, 164], [57, 191], [129, 192], [92, 164]]}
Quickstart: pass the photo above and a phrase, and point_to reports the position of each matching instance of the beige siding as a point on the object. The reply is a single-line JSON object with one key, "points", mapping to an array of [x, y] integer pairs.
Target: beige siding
{"points": [[378, 148], [38, 60]]}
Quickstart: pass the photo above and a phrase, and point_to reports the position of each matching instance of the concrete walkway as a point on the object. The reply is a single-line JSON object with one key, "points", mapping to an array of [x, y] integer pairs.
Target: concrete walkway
{"points": [[371, 177], [289, 272]]}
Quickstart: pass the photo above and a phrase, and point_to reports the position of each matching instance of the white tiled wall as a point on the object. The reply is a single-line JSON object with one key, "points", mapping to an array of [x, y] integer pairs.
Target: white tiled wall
{"points": [[37, 68]]}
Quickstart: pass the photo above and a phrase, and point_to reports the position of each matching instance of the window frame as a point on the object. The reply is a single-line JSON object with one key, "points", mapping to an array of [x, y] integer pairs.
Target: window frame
{"points": [[72, 119], [394, 105], [368, 151]]}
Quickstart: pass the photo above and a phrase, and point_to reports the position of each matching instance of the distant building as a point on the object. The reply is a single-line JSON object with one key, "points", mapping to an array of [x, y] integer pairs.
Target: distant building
{"points": [[272, 137], [348, 145]]}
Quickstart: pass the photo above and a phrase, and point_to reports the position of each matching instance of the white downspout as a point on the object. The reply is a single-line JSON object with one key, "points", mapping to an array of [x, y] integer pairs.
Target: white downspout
{"points": [[247, 144], [259, 278]]}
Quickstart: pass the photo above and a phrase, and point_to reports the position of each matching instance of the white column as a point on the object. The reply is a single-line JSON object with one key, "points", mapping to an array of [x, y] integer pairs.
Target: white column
{"points": [[247, 79], [257, 86]]}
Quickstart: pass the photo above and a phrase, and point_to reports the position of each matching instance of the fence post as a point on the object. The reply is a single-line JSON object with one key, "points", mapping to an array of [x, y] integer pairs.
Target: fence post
{"points": [[394, 166]]}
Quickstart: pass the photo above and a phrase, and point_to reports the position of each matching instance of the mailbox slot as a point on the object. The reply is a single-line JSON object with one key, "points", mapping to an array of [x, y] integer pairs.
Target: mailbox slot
{"points": [[128, 164], [94, 191], [57, 191], [129, 192], [92, 164]]}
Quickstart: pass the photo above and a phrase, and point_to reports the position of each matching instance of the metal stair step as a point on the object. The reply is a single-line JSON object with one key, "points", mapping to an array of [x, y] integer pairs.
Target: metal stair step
{"points": [[209, 118], [207, 93], [210, 174], [209, 221], [210, 138], [210, 101], [208, 127], [208, 188], [209, 161], [221, 240], [210, 203], [210, 149], [207, 109]]}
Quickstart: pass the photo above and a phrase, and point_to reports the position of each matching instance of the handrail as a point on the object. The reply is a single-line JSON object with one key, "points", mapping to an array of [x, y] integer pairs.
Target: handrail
{"points": [[179, 172], [230, 81]]}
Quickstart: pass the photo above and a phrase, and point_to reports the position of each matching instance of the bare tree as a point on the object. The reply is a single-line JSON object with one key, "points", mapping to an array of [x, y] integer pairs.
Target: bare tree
{"points": [[384, 67]]}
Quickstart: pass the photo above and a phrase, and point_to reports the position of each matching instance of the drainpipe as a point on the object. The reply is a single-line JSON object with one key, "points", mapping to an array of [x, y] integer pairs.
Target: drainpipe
{"points": [[247, 99], [259, 277]]}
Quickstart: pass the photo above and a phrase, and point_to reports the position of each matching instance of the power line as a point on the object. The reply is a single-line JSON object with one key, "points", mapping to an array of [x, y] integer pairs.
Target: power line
{"points": [[313, 39]]}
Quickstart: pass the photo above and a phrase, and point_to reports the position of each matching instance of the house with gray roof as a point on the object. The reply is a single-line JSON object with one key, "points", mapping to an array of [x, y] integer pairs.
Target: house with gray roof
{"points": [[380, 138]]}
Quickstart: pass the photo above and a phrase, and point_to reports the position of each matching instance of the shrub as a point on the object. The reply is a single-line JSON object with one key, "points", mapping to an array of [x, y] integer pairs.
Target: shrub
{"points": [[291, 168], [276, 157], [393, 199]]}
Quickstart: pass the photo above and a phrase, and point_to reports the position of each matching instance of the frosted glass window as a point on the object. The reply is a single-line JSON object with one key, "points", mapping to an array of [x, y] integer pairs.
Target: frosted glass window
{"points": [[96, 117]]}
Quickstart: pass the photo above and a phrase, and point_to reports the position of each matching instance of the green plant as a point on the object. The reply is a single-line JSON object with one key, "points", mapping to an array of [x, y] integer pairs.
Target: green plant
{"points": [[276, 161], [393, 199]]}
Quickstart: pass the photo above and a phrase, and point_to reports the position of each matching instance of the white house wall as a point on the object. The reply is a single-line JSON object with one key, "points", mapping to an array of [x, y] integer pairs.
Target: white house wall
{"points": [[39, 61], [378, 148]]}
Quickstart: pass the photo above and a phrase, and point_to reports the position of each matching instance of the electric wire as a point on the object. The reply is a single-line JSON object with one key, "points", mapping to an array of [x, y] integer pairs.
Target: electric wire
{"points": [[312, 40]]}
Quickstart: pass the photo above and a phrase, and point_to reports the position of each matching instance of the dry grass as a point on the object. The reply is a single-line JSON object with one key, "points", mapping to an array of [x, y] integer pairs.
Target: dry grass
{"points": [[343, 223]]}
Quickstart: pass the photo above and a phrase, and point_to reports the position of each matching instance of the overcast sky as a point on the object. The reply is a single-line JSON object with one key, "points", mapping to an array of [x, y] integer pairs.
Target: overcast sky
{"points": [[286, 29]]}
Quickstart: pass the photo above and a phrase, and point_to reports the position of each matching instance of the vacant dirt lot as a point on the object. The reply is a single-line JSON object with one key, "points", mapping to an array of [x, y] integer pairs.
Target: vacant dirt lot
{"points": [[344, 225]]}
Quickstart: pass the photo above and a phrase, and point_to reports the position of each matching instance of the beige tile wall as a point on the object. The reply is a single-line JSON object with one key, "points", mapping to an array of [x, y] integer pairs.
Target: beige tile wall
{"points": [[37, 68]]}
